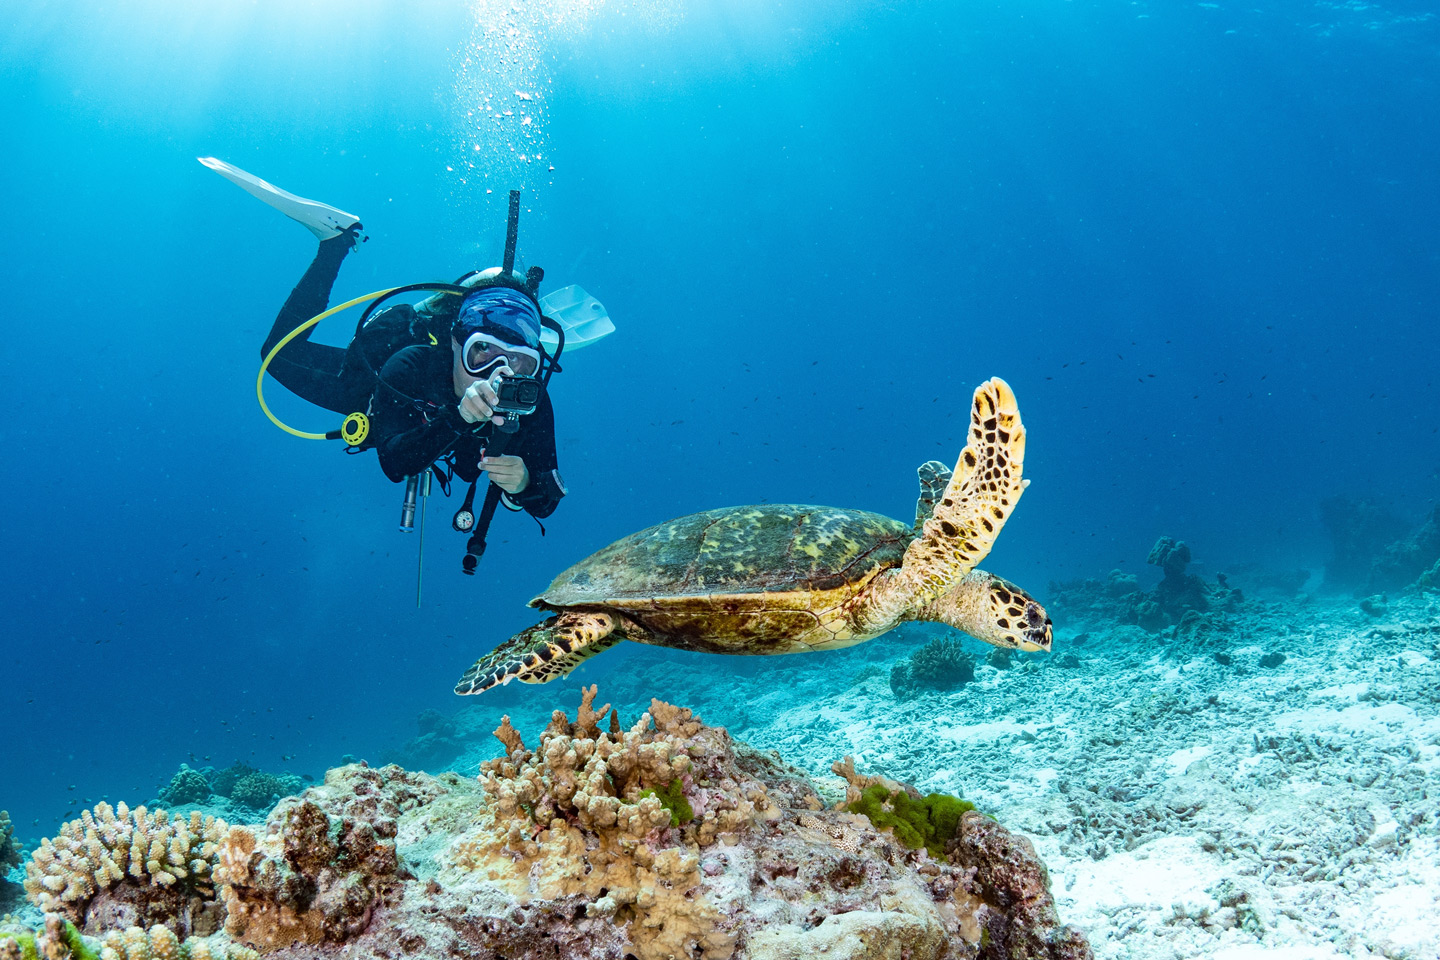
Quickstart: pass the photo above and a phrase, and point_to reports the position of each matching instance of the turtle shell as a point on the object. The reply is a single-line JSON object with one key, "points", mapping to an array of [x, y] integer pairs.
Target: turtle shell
{"points": [[774, 549]]}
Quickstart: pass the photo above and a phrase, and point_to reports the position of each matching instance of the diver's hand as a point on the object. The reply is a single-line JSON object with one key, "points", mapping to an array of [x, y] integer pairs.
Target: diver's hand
{"points": [[508, 473], [478, 404]]}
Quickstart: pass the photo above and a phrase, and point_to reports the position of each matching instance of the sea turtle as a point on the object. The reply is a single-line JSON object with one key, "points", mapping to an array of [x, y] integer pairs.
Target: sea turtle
{"points": [[783, 578]]}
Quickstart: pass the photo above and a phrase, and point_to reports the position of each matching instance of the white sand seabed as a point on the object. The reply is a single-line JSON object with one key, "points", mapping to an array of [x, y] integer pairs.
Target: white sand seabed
{"points": [[1186, 808]]}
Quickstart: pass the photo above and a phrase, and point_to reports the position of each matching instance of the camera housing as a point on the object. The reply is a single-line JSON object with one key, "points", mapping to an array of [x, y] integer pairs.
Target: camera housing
{"points": [[517, 396]]}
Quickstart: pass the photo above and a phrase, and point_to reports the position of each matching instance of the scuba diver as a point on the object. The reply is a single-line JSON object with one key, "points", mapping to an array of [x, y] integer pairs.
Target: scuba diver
{"points": [[451, 386]]}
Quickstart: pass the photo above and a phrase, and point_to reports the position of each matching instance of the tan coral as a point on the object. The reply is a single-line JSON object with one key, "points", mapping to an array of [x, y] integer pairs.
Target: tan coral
{"points": [[105, 847], [569, 818], [160, 943]]}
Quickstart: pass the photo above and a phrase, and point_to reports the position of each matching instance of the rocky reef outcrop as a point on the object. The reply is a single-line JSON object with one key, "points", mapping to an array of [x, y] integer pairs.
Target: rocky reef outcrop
{"points": [[1376, 551], [1184, 605]]}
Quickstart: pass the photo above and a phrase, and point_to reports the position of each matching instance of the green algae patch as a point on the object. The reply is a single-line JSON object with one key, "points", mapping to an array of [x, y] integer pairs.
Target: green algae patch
{"points": [[928, 822], [672, 798]]}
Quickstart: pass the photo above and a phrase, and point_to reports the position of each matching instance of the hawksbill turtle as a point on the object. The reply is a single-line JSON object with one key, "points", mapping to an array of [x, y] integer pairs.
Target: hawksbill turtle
{"points": [[785, 578]]}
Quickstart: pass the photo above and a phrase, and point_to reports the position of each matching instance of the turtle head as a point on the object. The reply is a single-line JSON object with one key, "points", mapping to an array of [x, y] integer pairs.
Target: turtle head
{"points": [[992, 609], [1016, 619]]}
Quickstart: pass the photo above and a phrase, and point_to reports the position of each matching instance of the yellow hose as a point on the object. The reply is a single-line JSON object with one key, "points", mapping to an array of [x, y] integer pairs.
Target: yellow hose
{"points": [[260, 380]]}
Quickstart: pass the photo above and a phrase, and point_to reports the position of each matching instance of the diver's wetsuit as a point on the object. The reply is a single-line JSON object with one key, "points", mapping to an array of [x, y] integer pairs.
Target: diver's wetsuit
{"points": [[414, 413], [416, 419], [315, 371]]}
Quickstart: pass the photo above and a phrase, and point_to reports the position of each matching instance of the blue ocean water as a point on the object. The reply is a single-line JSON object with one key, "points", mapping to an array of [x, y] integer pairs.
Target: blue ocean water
{"points": [[1199, 240]]}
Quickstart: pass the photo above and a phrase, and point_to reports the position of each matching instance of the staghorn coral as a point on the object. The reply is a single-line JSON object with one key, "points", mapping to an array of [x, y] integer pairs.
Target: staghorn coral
{"points": [[114, 867]]}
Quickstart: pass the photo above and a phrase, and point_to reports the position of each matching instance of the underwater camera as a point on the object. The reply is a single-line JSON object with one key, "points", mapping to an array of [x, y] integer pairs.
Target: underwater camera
{"points": [[517, 396]]}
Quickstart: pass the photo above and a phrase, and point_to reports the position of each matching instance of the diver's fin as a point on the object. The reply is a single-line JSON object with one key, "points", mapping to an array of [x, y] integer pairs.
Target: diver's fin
{"points": [[583, 317], [319, 218], [548, 650]]}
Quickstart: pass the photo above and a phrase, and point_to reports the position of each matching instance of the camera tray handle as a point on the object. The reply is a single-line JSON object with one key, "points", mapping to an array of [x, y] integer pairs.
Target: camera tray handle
{"points": [[495, 446]]}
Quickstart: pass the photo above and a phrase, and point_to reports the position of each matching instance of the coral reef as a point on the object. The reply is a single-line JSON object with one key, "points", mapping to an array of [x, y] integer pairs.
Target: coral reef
{"points": [[1407, 559], [114, 868], [438, 742], [1192, 616], [582, 847], [257, 790], [1375, 551], [1430, 579], [223, 781], [11, 854], [323, 860], [942, 664], [1178, 592]]}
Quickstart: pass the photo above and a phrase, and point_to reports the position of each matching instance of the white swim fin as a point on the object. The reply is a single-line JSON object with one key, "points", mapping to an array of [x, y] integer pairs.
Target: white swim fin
{"points": [[320, 219], [582, 316]]}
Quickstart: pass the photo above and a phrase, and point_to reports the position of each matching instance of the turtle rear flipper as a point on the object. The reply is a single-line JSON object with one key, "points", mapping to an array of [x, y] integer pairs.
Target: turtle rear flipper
{"points": [[550, 649]]}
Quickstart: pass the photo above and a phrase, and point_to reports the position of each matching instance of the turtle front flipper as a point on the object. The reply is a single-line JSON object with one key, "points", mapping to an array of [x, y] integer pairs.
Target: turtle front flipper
{"points": [[549, 649], [976, 502]]}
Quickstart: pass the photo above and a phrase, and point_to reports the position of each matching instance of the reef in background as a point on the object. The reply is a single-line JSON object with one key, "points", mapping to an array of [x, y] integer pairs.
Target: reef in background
{"points": [[1376, 551], [1186, 613], [10, 857], [659, 839]]}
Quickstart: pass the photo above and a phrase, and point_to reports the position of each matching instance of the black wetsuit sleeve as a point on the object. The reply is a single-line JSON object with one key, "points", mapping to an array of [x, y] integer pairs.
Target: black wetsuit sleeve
{"points": [[536, 447], [410, 435]]}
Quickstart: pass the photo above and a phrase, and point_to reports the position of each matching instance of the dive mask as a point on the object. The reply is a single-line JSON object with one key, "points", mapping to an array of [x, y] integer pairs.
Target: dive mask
{"points": [[483, 354]]}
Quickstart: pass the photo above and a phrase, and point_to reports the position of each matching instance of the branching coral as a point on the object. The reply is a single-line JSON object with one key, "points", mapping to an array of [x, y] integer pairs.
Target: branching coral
{"points": [[159, 943], [163, 865], [618, 817], [582, 848]]}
